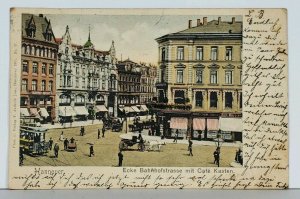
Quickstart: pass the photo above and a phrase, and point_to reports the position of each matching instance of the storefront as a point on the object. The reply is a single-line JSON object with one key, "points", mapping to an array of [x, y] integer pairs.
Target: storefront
{"points": [[101, 111], [81, 113], [66, 113], [231, 128]]}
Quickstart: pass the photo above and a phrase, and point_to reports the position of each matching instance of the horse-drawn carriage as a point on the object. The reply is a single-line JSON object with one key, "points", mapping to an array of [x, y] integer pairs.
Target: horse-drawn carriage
{"points": [[72, 146]]}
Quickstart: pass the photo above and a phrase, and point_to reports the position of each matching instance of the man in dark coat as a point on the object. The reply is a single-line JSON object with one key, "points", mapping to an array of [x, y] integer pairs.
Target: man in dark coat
{"points": [[190, 147], [176, 136], [120, 155], [66, 142], [98, 133], [103, 131], [50, 144], [217, 157], [92, 151], [56, 149]]}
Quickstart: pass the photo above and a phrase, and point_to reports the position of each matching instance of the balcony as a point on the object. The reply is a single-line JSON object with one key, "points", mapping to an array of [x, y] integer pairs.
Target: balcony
{"points": [[33, 92], [161, 84]]}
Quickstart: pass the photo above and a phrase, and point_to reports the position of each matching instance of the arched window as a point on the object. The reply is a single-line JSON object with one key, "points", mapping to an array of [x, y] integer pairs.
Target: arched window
{"points": [[79, 99], [65, 99]]}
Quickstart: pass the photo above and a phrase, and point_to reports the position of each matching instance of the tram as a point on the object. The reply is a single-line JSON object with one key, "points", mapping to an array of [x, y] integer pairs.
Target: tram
{"points": [[32, 140]]}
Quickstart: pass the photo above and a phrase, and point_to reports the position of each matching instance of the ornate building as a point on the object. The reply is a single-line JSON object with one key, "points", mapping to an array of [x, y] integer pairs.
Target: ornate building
{"points": [[199, 90], [39, 55], [86, 77], [148, 80], [129, 85]]}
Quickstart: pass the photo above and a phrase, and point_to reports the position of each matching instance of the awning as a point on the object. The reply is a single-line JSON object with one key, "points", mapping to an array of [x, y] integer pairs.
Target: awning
{"points": [[34, 112], [121, 109], [66, 111], [179, 123], [212, 124], [231, 124], [101, 108], [81, 110], [24, 112], [43, 112], [199, 124], [144, 108], [128, 109], [136, 109]]}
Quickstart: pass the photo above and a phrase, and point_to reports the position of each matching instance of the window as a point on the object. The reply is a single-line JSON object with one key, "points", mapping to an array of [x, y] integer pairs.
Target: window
{"points": [[163, 54], [77, 82], [25, 66], [24, 85], [43, 86], [180, 53], [199, 53], [228, 55], [228, 99], [241, 100], [33, 101], [80, 99], [199, 99], [69, 83], [83, 82], [34, 85], [214, 53], [23, 101], [213, 100], [51, 69], [77, 70], [213, 77], [241, 77], [228, 77], [95, 83], [50, 85], [103, 83], [43, 68], [35, 67], [179, 76], [198, 78], [179, 97]]}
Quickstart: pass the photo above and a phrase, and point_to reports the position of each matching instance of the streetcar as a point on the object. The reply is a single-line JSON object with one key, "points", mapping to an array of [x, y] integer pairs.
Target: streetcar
{"points": [[32, 140]]}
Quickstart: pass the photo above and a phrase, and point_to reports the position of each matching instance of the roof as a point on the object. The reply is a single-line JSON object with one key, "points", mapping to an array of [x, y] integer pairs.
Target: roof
{"points": [[214, 29], [42, 25]]}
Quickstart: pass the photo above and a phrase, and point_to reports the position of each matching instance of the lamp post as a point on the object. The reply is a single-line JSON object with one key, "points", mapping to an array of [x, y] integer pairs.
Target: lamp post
{"points": [[218, 142]]}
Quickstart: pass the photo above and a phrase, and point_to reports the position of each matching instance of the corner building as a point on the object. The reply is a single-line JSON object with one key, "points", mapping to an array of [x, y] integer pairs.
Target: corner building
{"points": [[39, 55], [199, 88]]}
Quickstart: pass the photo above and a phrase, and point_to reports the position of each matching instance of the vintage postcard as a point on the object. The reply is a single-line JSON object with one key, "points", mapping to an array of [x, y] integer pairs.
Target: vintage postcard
{"points": [[148, 98]]}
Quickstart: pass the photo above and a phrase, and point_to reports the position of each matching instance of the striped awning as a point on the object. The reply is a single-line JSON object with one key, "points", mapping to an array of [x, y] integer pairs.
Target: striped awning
{"points": [[231, 124], [101, 108], [212, 124], [34, 112], [128, 109], [24, 112], [199, 124], [43, 112], [81, 110], [136, 109], [179, 123], [144, 108]]}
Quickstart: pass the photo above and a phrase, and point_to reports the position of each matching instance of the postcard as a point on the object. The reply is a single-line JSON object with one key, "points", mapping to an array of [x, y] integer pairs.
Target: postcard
{"points": [[148, 98]]}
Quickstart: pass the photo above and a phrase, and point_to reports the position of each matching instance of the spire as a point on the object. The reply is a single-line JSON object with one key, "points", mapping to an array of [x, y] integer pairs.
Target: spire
{"points": [[89, 43]]}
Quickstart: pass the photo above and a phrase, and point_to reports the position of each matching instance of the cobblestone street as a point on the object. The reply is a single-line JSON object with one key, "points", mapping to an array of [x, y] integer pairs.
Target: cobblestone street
{"points": [[106, 150]]}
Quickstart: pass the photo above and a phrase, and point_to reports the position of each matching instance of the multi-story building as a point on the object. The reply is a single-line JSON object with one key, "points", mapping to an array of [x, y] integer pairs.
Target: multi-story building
{"points": [[148, 80], [199, 87], [85, 78], [129, 87], [39, 55]]}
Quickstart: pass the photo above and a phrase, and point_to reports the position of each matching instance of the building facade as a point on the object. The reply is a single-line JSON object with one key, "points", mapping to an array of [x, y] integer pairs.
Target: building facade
{"points": [[200, 79], [38, 80], [85, 79], [148, 80]]}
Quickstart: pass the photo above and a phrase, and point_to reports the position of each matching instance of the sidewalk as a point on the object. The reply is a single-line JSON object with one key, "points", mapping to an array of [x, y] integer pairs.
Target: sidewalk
{"points": [[74, 124]]}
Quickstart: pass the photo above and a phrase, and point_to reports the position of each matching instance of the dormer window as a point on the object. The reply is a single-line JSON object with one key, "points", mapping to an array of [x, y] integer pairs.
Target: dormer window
{"points": [[31, 30]]}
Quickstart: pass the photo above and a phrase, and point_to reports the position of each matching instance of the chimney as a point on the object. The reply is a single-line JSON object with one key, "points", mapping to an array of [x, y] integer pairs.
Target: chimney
{"points": [[198, 22], [219, 20], [190, 23], [233, 20], [204, 21]]}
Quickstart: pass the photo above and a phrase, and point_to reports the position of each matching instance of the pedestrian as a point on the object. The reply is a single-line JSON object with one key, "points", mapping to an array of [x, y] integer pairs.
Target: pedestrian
{"points": [[98, 133], [149, 132], [120, 155], [92, 151], [50, 143], [190, 148], [56, 149], [66, 142], [72, 140], [83, 130], [103, 131], [62, 136], [176, 136], [217, 157]]}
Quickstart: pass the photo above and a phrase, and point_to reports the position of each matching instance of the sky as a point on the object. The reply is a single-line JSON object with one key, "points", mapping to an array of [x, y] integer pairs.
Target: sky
{"points": [[134, 35]]}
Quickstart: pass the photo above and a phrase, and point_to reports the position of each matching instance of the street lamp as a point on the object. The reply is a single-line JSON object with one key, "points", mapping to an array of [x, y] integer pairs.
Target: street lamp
{"points": [[218, 141]]}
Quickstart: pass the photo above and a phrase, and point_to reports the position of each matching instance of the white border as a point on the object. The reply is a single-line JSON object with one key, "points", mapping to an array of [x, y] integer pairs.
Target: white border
{"points": [[294, 69]]}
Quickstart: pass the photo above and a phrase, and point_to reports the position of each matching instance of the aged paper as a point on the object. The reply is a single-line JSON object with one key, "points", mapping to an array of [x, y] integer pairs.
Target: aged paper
{"points": [[224, 124]]}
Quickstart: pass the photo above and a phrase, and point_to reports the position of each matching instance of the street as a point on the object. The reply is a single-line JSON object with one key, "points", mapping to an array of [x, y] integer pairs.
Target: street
{"points": [[106, 150]]}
